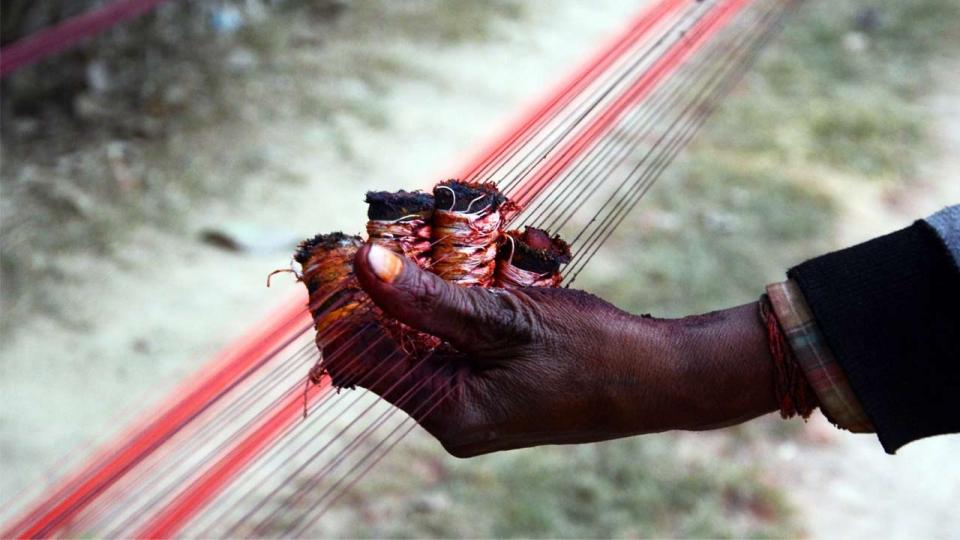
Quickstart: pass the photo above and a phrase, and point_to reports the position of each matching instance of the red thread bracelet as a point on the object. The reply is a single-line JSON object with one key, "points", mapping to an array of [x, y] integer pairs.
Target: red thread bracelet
{"points": [[794, 394]]}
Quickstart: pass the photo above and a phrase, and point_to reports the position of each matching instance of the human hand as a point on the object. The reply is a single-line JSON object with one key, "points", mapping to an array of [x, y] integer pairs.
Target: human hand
{"points": [[550, 366]]}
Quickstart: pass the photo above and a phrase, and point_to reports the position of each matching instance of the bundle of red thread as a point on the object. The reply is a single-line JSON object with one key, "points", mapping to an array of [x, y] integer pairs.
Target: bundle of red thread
{"points": [[457, 233], [466, 224], [401, 222], [530, 259]]}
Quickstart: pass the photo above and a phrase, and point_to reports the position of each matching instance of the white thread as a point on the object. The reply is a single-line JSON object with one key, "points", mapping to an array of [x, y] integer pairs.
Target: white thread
{"points": [[453, 194]]}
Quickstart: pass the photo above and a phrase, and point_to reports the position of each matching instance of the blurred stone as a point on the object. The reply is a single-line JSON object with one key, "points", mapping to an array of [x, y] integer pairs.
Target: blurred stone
{"points": [[867, 19], [150, 127], [330, 9], [141, 345], [26, 127], [65, 198], [175, 95], [720, 222], [87, 107], [26, 175], [226, 19], [740, 196], [787, 451], [431, 503], [142, 125], [855, 42], [246, 238], [122, 173], [221, 240], [660, 220], [355, 89], [242, 60], [98, 77]]}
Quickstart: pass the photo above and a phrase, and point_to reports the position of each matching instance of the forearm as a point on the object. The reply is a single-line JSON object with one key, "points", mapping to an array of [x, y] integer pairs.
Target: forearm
{"points": [[695, 373], [728, 371]]}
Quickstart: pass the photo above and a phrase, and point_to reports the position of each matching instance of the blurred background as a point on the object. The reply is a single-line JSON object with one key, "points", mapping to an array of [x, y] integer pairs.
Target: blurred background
{"points": [[153, 176]]}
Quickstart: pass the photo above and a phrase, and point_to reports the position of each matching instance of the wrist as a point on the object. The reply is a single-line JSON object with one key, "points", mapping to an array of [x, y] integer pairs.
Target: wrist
{"points": [[651, 376], [725, 369], [695, 373]]}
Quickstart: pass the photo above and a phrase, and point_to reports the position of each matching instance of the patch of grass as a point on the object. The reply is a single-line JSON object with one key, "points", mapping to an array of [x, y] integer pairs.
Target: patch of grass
{"points": [[627, 488], [711, 236], [842, 87]]}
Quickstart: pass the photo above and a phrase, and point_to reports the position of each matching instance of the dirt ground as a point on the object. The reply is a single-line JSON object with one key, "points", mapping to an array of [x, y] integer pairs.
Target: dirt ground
{"points": [[141, 323]]}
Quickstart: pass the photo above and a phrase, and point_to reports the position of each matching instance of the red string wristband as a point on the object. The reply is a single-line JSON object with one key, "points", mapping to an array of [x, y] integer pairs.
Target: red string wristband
{"points": [[794, 393]]}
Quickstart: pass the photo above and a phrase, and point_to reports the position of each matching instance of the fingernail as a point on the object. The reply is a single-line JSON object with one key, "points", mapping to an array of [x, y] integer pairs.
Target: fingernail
{"points": [[384, 263]]}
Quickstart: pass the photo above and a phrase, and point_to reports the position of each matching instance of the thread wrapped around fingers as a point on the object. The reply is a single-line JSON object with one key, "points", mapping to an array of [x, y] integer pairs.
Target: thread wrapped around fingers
{"points": [[453, 233], [347, 324], [401, 222], [530, 259], [467, 221]]}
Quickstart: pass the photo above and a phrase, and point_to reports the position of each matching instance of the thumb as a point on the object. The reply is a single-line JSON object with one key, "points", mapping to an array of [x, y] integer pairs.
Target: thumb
{"points": [[467, 317]]}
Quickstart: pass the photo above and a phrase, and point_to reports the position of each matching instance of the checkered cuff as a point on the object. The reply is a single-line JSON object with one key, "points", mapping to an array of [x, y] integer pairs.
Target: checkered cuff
{"points": [[826, 377]]}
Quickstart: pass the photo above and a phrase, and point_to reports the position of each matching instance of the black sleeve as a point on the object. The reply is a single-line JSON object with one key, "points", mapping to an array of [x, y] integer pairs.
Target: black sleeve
{"points": [[889, 310]]}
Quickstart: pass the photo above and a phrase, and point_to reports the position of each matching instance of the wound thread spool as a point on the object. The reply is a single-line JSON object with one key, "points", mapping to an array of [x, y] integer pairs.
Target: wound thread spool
{"points": [[346, 323], [530, 259], [401, 222], [467, 221]]}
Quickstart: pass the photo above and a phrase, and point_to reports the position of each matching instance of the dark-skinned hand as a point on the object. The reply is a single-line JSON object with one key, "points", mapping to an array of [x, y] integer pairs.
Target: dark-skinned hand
{"points": [[553, 366]]}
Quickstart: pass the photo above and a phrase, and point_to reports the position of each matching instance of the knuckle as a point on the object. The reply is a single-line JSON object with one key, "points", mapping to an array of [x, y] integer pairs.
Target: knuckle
{"points": [[427, 293], [512, 315]]}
